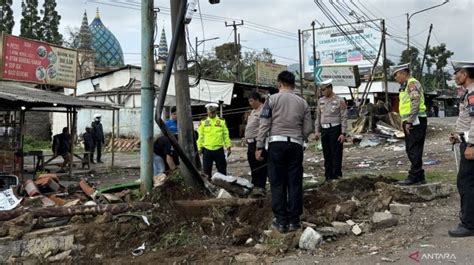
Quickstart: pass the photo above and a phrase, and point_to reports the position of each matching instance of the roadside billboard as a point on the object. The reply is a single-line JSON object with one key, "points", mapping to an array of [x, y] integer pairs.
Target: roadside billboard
{"points": [[341, 75], [26, 60], [359, 47], [267, 73]]}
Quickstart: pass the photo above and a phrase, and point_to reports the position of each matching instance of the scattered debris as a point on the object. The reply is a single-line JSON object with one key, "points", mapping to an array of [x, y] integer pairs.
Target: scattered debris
{"points": [[237, 185], [8, 200], [369, 142], [356, 230], [139, 250], [382, 220], [341, 227], [400, 209], [310, 239], [431, 162]]}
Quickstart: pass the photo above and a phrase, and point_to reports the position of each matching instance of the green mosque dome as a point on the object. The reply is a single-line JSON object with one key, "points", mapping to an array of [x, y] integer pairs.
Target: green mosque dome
{"points": [[108, 52]]}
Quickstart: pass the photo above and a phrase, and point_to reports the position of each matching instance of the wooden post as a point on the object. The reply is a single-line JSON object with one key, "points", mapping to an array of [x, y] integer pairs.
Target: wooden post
{"points": [[113, 139]]}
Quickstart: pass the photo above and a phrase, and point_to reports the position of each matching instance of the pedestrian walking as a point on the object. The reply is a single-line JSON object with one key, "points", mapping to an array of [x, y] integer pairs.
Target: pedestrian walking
{"points": [[285, 122], [331, 125], [464, 77], [412, 110], [258, 168], [213, 138]]}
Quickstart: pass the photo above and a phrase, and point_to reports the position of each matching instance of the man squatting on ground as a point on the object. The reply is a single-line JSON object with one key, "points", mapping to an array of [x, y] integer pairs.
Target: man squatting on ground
{"points": [[464, 77], [286, 122]]}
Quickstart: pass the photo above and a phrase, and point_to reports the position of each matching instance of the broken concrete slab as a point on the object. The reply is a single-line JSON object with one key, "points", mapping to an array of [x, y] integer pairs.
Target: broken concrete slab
{"points": [[356, 230], [233, 184], [341, 227], [400, 209], [65, 255], [382, 220], [310, 239], [350, 222], [430, 191], [245, 258], [327, 231], [223, 194]]}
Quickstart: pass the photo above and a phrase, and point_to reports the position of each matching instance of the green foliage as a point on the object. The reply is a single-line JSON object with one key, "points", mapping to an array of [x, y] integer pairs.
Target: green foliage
{"points": [[30, 23], [31, 144], [49, 31], [223, 65], [178, 238], [6, 16]]}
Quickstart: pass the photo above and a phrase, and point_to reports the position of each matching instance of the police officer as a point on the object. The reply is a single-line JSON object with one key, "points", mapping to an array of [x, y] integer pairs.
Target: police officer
{"points": [[285, 122], [213, 137], [464, 77], [412, 110], [331, 125], [98, 136], [258, 168]]}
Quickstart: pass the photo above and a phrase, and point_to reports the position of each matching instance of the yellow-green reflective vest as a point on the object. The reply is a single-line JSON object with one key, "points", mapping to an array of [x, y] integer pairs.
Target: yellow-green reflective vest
{"points": [[405, 103]]}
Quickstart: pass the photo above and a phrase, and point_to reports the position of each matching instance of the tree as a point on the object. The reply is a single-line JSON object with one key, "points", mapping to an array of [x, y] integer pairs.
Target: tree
{"points": [[222, 65], [49, 30], [412, 58], [6, 16], [71, 39], [30, 23], [437, 56]]}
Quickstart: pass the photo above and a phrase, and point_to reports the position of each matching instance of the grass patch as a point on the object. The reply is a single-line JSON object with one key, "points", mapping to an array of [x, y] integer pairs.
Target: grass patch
{"points": [[30, 144], [183, 237]]}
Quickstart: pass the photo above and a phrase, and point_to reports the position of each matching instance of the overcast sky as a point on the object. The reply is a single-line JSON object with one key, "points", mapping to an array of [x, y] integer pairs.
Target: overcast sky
{"points": [[453, 23]]}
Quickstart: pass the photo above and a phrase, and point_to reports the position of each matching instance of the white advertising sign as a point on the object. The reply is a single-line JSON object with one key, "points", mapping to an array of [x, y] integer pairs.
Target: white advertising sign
{"points": [[359, 47]]}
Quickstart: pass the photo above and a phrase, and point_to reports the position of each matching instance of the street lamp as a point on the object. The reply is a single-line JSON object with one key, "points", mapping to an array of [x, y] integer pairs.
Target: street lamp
{"points": [[408, 23], [199, 42]]}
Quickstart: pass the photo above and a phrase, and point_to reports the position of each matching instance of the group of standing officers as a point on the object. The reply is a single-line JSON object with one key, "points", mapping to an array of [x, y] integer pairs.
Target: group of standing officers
{"points": [[278, 128]]}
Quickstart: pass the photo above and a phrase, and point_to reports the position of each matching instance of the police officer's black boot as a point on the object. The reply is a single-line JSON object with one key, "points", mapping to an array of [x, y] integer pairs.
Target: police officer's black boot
{"points": [[461, 231]]}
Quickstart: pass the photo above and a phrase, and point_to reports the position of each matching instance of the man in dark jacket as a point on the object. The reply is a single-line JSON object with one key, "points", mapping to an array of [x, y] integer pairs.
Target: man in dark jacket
{"points": [[88, 144], [62, 147], [98, 136]]}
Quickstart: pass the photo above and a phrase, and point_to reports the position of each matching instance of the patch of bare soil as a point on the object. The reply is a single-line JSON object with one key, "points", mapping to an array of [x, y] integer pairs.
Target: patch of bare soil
{"points": [[221, 234]]}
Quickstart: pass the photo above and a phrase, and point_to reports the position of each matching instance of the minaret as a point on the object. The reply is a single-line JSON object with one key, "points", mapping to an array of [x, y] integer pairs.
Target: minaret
{"points": [[86, 55], [162, 52]]}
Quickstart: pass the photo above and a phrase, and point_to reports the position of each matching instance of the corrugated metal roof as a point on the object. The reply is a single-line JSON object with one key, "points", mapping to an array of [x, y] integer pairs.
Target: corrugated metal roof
{"points": [[16, 95]]}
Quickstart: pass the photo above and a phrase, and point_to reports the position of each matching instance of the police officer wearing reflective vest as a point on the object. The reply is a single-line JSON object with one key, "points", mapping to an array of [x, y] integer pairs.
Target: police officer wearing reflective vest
{"points": [[464, 77], [331, 124], [285, 123], [412, 110], [213, 138]]}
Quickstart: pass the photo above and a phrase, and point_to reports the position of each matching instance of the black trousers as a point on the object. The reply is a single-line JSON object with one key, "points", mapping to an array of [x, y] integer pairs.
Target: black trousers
{"points": [[98, 147], [258, 169], [465, 183], [414, 144], [332, 151], [285, 167], [208, 159]]}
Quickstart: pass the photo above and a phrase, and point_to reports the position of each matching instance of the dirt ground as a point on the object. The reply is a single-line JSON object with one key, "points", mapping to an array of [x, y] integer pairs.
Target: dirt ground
{"points": [[218, 235]]}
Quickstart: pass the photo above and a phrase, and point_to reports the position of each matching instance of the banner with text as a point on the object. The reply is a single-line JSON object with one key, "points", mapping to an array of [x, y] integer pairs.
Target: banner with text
{"points": [[341, 75], [357, 44], [267, 73], [37, 62]]}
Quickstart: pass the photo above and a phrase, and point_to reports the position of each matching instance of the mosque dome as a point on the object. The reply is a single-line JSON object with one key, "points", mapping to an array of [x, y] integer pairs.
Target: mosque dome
{"points": [[108, 52]]}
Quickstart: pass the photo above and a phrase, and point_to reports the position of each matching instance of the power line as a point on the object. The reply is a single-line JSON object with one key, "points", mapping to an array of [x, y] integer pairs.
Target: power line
{"points": [[274, 55]]}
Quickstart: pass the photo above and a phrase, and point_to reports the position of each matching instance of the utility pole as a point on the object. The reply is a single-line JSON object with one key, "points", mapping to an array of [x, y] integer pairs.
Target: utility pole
{"points": [[314, 64], [147, 95], [236, 45], [301, 60], [384, 64], [183, 101], [426, 50]]}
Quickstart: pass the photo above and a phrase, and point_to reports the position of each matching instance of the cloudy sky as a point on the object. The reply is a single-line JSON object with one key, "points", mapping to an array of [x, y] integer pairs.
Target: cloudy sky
{"points": [[274, 24]]}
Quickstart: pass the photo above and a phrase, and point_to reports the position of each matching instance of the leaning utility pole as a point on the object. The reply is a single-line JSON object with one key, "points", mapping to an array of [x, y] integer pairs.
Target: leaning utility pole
{"points": [[183, 101], [236, 45], [426, 50], [147, 96]]}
